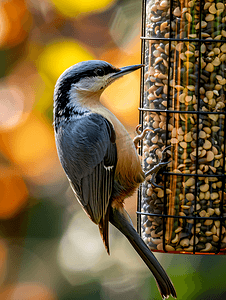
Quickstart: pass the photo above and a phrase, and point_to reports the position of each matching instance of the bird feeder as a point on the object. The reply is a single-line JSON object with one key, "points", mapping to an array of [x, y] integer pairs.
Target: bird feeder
{"points": [[183, 105]]}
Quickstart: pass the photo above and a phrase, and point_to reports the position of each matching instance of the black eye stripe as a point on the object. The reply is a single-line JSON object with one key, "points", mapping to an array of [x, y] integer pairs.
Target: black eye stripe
{"points": [[99, 72], [82, 70]]}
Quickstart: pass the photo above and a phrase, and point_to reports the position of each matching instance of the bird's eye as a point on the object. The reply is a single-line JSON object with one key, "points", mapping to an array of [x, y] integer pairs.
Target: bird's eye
{"points": [[99, 72]]}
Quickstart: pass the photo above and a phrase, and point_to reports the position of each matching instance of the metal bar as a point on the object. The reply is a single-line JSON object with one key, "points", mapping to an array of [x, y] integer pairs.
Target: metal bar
{"points": [[197, 129], [167, 122], [139, 195], [183, 111], [183, 40], [222, 188], [198, 175], [181, 217]]}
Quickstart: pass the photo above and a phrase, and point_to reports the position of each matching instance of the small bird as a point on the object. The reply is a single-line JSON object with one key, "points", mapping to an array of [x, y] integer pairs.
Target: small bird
{"points": [[99, 157]]}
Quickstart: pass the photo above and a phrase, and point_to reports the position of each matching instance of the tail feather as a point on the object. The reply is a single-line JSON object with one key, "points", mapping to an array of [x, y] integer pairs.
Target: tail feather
{"points": [[164, 283], [104, 232]]}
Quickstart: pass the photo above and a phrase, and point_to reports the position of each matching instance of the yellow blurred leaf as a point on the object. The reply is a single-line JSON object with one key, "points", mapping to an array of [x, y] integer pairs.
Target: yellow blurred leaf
{"points": [[71, 8], [59, 56]]}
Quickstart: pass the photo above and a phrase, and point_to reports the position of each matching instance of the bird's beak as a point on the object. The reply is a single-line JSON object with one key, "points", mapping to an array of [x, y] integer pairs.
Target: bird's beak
{"points": [[126, 70]]}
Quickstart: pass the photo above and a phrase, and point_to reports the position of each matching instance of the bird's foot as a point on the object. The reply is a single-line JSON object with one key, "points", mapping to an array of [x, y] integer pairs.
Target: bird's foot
{"points": [[159, 165], [140, 135]]}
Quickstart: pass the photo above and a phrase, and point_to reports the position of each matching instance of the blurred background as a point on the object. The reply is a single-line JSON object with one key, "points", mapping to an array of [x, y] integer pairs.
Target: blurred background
{"points": [[49, 249]]}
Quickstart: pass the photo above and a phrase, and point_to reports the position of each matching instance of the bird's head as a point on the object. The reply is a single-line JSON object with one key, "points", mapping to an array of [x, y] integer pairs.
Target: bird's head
{"points": [[91, 76]]}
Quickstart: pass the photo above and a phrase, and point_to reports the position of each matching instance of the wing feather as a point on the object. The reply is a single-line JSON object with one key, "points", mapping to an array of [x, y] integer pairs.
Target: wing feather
{"points": [[87, 151]]}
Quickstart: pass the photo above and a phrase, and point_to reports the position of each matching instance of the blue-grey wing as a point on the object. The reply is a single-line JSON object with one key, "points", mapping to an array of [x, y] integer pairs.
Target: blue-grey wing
{"points": [[87, 151]]}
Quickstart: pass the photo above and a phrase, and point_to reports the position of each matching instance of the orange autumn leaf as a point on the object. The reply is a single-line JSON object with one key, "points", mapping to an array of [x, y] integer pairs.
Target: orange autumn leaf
{"points": [[13, 192], [15, 22]]}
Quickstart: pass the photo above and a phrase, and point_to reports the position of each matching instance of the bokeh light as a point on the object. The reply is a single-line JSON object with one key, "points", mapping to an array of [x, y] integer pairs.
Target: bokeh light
{"points": [[81, 250], [27, 291], [31, 146], [11, 106], [3, 261]]}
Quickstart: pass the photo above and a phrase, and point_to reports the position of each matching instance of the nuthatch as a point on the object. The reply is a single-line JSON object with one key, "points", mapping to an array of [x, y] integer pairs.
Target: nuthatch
{"points": [[98, 155]]}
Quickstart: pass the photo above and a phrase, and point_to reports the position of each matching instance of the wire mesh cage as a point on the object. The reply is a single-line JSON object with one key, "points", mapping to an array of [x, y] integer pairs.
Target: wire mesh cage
{"points": [[183, 210]]}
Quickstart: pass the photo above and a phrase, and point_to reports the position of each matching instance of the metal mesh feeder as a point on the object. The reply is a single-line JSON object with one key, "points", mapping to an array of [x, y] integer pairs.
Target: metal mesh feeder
{"points": [[183, 104]]}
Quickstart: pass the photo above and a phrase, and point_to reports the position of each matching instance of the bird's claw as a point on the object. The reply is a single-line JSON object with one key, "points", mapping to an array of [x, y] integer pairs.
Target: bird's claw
{"points": [[156, 185], [164, 150], [140, 135], [156, 168], [153, 171]]}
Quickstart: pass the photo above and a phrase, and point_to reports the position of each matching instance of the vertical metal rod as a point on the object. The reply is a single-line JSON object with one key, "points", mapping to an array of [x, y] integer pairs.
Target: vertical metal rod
{"points": [[167, 122], [143, 22], [223, 186], [197, 125]]}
